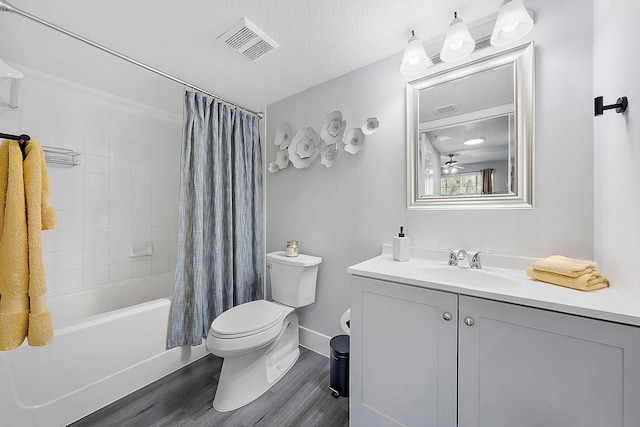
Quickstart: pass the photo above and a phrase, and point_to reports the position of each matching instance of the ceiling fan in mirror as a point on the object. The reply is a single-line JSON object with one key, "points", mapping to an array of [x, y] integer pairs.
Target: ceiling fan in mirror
{"points": [[451, 166]]}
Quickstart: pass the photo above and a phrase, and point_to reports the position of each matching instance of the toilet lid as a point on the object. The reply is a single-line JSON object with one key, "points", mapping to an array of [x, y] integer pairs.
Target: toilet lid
{"points": [[248, 318]]}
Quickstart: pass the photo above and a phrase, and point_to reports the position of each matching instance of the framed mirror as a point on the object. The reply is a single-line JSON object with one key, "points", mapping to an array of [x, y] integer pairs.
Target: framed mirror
{"points": [[470, 135]]}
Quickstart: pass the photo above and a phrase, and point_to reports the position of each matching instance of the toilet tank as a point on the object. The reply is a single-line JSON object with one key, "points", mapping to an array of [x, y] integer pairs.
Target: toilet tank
{"points": [[293, 279]]}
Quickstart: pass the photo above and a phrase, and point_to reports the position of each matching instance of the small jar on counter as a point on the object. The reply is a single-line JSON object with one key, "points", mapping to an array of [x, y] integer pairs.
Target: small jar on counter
{"points": [[292, 248]]}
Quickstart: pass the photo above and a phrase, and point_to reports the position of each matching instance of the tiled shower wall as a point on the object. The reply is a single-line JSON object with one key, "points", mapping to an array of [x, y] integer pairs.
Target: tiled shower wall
{"points": [[124, 192]]}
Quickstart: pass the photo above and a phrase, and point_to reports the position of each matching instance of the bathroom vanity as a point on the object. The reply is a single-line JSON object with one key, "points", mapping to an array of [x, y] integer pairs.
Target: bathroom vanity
{"points": [[438, 346]]}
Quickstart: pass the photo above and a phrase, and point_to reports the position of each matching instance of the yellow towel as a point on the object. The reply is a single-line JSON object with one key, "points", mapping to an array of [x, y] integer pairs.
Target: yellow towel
{"points": [[24, 211], [586, 282], [590, 264], [40, 216], [14, 271], [564, 266]]}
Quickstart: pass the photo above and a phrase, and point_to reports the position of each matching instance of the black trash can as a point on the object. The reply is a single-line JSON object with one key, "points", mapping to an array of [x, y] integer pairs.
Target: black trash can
{"points": [[339, 366]]}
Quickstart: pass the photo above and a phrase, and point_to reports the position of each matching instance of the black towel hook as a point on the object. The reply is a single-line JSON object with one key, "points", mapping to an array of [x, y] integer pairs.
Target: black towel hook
{"points": [[621, 105]]}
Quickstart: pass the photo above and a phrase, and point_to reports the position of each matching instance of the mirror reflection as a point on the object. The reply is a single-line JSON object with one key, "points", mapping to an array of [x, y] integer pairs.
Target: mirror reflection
{"points": [[470, 134]]}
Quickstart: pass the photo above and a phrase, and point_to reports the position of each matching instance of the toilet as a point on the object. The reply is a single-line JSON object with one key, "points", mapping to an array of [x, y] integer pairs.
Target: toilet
{"points": [[259, 339]]}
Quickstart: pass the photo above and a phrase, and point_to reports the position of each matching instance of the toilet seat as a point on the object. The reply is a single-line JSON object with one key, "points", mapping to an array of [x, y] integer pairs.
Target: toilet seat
{"points": [[247, 319]]}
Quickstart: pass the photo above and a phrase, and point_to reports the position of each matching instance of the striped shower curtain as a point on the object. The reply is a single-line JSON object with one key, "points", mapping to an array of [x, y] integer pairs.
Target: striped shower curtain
{"points": [[220, 233]]}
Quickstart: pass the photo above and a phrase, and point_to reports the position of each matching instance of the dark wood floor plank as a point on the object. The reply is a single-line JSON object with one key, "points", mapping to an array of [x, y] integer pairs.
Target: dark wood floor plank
{"points": [[184, 399]]}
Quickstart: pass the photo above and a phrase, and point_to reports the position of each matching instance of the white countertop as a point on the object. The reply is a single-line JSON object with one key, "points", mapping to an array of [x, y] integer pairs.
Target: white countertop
{"points": [[606, 304]]}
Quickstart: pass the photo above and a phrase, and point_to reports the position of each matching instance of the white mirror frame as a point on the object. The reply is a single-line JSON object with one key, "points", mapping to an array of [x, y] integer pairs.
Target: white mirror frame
{"points": [[523, 59]]}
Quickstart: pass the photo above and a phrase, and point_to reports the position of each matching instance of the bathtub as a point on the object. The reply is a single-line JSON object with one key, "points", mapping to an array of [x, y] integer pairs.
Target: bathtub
{"points": [[109, 341]]}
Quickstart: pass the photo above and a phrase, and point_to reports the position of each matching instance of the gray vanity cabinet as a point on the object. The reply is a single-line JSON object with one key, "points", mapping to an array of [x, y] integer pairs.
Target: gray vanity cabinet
{"points": [[493, 364], [403, 355], [527, 367]]}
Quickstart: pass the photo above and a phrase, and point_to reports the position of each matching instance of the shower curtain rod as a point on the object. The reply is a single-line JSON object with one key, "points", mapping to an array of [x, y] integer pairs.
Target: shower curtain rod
{"points": [[7, 7]]}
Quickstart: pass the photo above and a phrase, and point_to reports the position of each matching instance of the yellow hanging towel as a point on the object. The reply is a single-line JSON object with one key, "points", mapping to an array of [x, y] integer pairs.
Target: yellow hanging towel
{"points": [[24, 212]]}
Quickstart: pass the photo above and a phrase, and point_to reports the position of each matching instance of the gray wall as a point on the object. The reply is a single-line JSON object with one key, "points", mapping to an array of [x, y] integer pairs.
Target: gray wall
{"points": [[346, 212], [616, 140]]}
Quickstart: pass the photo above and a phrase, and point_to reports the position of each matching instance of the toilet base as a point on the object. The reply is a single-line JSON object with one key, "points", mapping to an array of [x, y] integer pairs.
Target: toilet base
{"points": [[246, 377]]}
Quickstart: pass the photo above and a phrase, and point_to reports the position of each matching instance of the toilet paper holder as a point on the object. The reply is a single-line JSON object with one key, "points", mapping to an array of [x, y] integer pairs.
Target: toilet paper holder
{"points": [[345, 321]]}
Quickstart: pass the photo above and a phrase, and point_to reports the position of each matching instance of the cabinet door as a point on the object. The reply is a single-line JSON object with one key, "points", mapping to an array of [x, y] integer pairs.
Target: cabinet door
{"points": [[526, 367], [403, 355]]}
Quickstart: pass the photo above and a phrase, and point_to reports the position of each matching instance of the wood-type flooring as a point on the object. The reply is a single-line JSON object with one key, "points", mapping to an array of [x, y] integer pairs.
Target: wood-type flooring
{"points": [[184, 399]]}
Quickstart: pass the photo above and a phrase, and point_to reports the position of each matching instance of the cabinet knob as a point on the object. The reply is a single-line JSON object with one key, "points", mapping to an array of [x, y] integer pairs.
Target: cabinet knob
{"points": [[447, 316], [468, 321]]}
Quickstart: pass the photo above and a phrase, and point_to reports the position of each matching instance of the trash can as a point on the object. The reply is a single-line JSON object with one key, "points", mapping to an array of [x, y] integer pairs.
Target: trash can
{"points": [[339, 366]]}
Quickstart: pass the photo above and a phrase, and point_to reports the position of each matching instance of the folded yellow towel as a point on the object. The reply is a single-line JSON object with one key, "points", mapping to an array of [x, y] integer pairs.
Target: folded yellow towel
{"points": [[563, 267], [586, 282], [577, 261], [14, 261]]}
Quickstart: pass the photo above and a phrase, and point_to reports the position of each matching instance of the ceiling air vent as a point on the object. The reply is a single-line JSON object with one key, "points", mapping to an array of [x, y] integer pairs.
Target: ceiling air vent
{"points": [[247, 39], [446, 109]]}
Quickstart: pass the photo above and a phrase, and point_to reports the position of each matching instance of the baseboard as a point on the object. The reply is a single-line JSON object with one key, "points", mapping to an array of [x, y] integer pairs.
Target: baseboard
{"points": [[314, 341]]}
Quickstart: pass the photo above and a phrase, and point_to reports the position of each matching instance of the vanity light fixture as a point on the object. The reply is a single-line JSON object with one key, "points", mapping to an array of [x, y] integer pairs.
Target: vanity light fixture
{"points": [[621, 105], [474, 141], [415, 58], [513, 23], [458, 44]]}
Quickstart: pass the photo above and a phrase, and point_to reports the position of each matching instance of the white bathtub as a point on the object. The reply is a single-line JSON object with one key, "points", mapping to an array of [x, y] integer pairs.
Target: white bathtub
{"points": [[109, 341]]}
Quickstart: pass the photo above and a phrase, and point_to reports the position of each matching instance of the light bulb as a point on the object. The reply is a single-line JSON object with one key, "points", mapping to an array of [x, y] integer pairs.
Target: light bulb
{"points": [[510, 28], [512, 24], [456, 45]]}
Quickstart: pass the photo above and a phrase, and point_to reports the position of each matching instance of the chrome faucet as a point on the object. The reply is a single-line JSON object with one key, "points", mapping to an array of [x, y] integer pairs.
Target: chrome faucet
{"points": [[461, 255], [474, 262], [453, 257]]}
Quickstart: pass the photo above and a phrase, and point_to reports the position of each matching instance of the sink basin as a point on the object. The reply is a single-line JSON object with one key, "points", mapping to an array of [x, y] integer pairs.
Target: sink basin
{"points": [[447, 274]]}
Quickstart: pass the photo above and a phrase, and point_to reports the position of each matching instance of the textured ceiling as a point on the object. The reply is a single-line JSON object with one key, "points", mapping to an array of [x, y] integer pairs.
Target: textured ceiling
{"points": [[319, 40]]}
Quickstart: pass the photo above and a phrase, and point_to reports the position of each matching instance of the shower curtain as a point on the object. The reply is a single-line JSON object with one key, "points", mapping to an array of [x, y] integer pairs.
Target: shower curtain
{"points": [[220, 232]]}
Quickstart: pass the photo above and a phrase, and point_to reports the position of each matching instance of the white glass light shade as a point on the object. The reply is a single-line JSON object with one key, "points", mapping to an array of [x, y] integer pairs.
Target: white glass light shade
{"points": [[458, 43], [513, 23], [415, 59]]}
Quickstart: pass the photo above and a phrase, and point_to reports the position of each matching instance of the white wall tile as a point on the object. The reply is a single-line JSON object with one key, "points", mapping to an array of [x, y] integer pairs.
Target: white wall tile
{"points": [[140, 169], [63, 200], [68, 260], [141, 234], [160, 234], [120, 271], [67, 280], [96, 145], [106, 203], [141, 268], [160, 265], [141, 202], [119, 236], [96, 201], [141, 219], [95, 237], [96, 182], [65, 240], [120, 219], [96, 256], [120, 202], [95, 164], [96, 219], [141, 186], [120, 184], [119, 167], [96, 275], [69, 220]]}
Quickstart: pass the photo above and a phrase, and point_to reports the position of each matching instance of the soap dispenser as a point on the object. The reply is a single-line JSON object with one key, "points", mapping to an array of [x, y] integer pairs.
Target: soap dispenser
{"points": [[401, 249]]}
